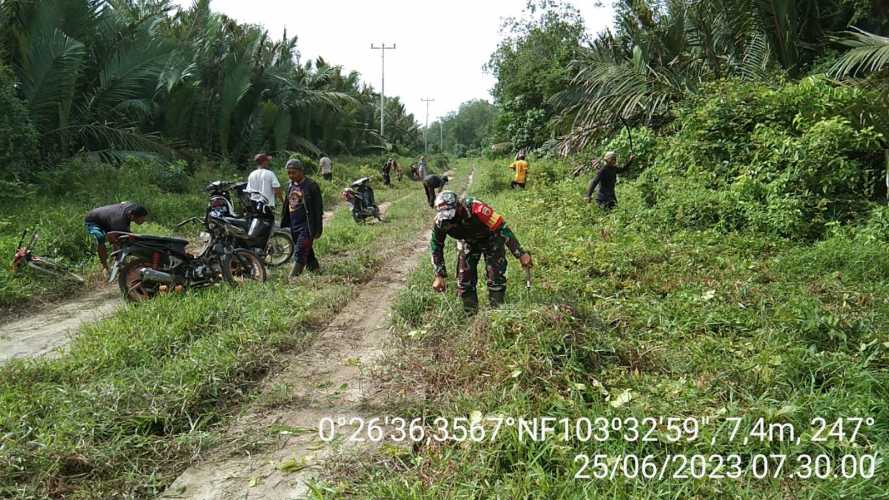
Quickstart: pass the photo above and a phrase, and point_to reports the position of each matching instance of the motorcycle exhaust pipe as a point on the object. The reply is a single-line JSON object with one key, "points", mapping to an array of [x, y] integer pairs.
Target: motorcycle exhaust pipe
{"points": [[147, 274]]}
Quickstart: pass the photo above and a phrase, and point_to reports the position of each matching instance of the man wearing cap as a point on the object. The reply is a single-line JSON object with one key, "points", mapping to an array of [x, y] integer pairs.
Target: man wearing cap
{"points": [[264, 182], [606, 179], [480, 231], [303, 213]]}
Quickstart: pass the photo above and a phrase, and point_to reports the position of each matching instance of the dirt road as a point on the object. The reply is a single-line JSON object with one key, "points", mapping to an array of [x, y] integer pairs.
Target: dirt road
{"points": [[332, 379], [48, 330]]}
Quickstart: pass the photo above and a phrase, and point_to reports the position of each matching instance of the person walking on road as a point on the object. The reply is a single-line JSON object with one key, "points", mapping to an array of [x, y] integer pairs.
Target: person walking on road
{"points": [[422, 168], [481, 231], [262, 181], [303, 213], [390, 165], [520, 165], [112, 218], [430, 184], [326, 168]]}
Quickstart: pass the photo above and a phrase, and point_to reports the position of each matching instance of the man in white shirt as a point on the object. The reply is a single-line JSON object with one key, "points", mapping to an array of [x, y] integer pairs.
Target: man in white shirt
{"points": [[326, 168], [264, 181]]}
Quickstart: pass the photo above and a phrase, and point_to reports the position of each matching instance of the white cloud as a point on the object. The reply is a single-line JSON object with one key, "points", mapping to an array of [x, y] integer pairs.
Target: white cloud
{"points": [[441, 46]]}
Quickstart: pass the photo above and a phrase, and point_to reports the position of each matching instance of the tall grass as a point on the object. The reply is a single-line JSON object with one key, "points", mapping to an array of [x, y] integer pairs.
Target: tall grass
{"points": [[683, 323]]}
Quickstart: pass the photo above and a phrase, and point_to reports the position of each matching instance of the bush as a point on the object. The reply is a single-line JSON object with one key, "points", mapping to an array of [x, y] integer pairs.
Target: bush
{"points": [[788, 161], [18, 137]]}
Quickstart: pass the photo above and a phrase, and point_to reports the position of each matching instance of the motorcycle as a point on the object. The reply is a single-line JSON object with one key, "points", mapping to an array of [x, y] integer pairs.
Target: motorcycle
{"points": [[145, 265], [272, 243], [360, 197]]}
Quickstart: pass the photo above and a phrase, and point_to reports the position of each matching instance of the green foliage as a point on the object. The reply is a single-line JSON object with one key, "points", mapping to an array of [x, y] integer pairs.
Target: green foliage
{"points": [[109, 79], [18, 138], [681, 321], [787, 161], [531, 64]]}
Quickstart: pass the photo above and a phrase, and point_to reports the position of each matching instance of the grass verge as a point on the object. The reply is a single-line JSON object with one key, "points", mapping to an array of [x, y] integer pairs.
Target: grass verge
{"points": [[631, 320], [137, 396]]}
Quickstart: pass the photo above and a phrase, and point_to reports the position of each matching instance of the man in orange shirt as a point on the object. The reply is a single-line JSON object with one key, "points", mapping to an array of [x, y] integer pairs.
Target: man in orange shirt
{"points": [[521, 171]]}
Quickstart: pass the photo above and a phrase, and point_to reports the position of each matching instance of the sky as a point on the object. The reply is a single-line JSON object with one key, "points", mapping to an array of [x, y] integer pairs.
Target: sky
{"points": [[441, 46]]}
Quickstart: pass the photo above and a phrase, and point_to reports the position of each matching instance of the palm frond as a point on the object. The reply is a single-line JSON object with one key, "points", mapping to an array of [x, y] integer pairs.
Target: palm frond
{"points": [[867, 53]]}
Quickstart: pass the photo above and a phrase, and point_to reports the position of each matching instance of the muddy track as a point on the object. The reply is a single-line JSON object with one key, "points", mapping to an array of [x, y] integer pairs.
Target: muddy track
{"points": [[50, 329], [332, 379]]}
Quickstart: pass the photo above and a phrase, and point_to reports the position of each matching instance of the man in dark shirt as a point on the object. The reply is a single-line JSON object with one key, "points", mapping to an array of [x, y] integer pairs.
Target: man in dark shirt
{"points": [[480, 231], [303, 213], [110, 218], [606, 180], [431, 183]]}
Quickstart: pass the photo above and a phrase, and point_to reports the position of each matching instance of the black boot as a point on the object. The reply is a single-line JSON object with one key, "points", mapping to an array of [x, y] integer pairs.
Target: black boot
{"points": [[296, 270], [496, 297], [470, 303]]}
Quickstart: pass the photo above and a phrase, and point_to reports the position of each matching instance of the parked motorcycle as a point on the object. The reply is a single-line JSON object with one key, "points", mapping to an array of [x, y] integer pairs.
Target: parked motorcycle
{"points": [[272, 243], [145, 266], [360, 197]]}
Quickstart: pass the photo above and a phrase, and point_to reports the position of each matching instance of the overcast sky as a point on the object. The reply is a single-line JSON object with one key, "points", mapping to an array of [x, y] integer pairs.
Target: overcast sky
{"points": [[441, 45]]}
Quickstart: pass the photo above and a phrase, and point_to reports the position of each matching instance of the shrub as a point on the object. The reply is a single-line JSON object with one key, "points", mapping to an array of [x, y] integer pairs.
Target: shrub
{"points": [[788, 161], [18, 137]]}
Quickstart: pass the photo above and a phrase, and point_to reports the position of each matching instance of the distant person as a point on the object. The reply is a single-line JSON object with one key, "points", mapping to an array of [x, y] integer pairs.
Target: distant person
{"points": [[390, 165], [422, 168], [414, 174], [430, 184], [326, 168], [303, 213], [606, 180], [112, 218], [264, 182], [520, 165]]}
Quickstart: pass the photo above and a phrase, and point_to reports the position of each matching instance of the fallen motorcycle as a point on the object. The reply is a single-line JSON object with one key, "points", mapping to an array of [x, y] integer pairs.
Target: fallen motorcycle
{"points": [[256, 219], [145, 266], [360, 197]]}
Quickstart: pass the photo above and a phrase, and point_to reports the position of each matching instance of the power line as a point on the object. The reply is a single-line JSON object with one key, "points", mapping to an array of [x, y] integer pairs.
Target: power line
{"points": [[426, 129], [382, 48]]}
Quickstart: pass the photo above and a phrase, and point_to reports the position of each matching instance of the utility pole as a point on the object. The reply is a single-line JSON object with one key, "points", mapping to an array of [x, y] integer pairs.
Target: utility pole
{"points": [[382, 48], [426, 129]]}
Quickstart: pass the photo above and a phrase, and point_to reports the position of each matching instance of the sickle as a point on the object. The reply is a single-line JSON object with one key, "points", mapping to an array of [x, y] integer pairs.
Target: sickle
{"points": [[629, 135]]}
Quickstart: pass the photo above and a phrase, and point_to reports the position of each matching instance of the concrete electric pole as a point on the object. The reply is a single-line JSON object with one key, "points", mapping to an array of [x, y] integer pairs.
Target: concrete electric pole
{"points": [[383, 48], [426, 129]]}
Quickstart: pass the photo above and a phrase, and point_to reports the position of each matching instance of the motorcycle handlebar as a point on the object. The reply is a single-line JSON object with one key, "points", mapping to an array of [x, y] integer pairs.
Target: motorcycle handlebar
{"points": [[188, 221]]}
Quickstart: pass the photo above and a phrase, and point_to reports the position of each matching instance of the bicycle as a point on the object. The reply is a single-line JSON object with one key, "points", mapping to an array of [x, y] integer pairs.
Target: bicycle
{"points": [[24, 256]]}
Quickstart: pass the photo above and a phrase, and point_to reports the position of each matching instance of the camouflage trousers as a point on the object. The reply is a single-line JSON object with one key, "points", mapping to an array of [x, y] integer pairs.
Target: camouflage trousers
{"points": [[468, 255]]}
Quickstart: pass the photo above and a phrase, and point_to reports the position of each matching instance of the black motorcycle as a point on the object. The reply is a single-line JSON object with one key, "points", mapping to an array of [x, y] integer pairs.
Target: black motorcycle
{"points": [[256, 219], [147, 265], [360, 197]]}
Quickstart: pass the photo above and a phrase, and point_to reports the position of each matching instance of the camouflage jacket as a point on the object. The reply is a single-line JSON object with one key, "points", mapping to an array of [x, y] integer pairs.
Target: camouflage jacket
{"points": [[480, 223]]}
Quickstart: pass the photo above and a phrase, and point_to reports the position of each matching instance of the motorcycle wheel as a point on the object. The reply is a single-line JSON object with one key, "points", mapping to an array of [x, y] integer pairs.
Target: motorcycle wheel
{"points": [[279, 248], [241, 266], [358, 218], [130, 282]]}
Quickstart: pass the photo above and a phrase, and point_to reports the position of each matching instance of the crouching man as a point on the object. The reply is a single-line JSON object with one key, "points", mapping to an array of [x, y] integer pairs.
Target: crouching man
{"points": [[481, 231]]}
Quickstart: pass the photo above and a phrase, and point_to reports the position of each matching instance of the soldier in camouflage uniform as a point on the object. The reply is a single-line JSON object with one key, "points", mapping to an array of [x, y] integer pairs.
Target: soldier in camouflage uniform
{"points": [[480, 231]]}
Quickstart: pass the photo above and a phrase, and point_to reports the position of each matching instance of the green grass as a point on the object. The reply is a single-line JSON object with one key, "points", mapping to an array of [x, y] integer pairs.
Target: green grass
{"points": [[686, 323], [138, 395], [57, 206]]}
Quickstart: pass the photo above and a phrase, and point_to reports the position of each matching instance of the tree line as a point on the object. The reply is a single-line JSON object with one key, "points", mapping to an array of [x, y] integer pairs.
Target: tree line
{"points": [[557, 85], [115, 78]]}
